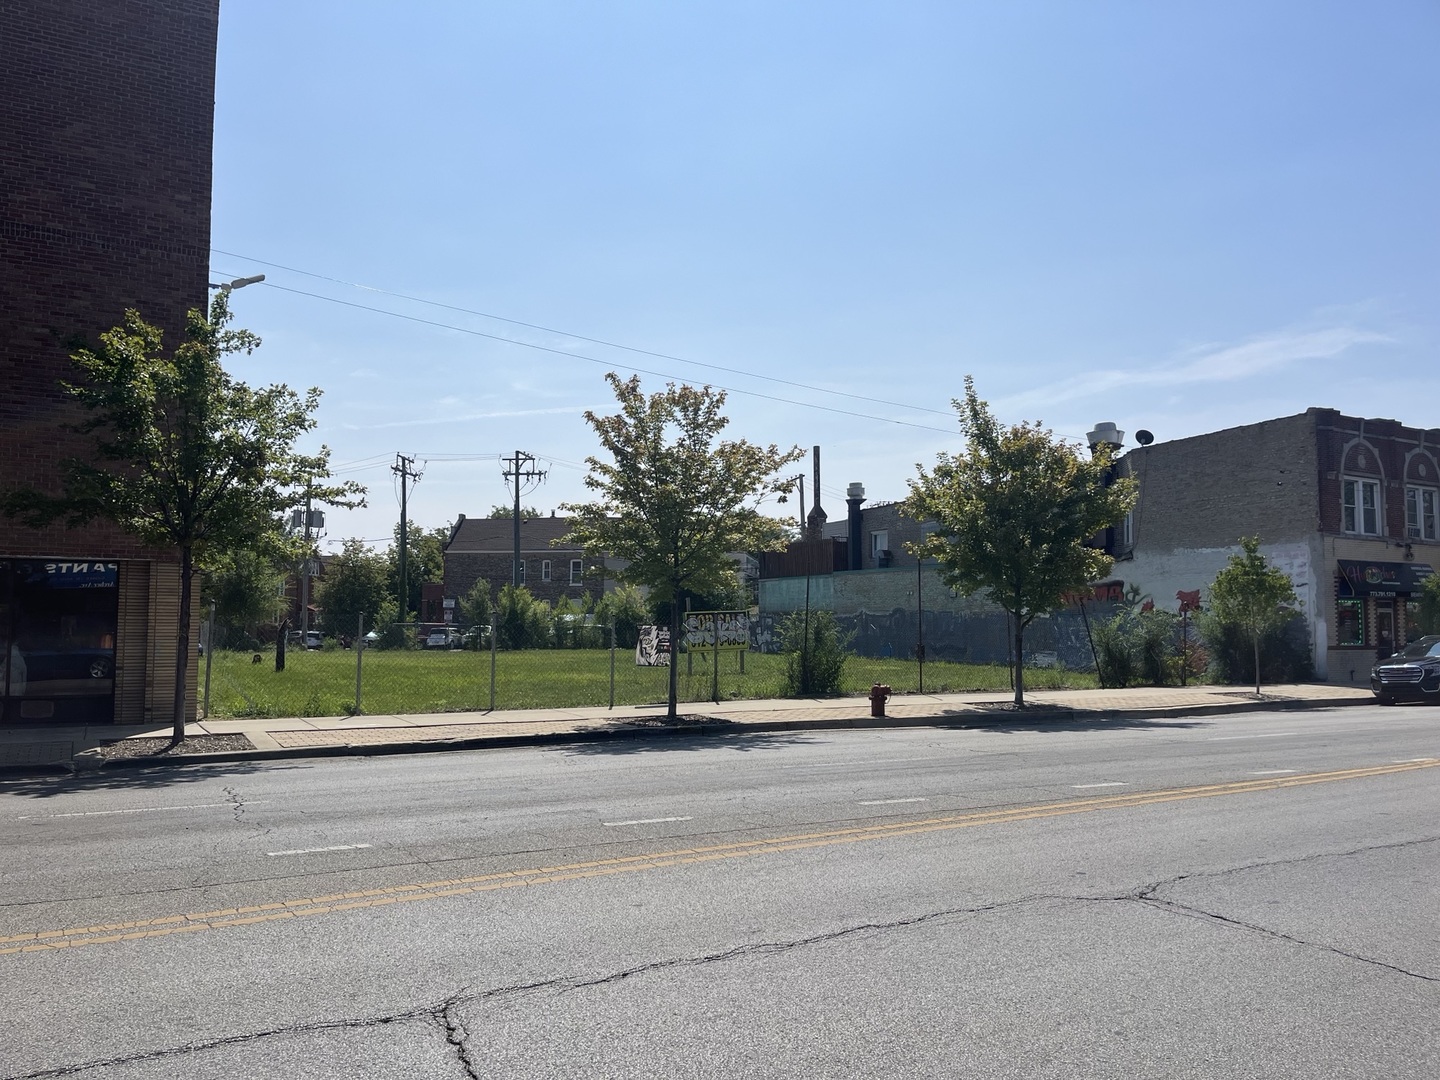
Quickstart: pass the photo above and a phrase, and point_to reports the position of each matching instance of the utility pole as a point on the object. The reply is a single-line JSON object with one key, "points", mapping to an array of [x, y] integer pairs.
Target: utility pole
{"points": [[404, 468], [520, 467], [305, 577]]}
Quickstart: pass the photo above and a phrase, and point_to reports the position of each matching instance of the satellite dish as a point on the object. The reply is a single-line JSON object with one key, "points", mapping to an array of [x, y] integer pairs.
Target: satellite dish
{"points": [[1144, 438]]}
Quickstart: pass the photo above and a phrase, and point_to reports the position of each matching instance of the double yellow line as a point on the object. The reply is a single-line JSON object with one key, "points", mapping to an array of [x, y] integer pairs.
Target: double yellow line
{"points": [[335, 903]]}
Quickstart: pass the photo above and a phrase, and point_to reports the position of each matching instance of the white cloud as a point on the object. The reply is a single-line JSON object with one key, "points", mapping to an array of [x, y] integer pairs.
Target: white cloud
{"points": [[499, 414], [1202, 364]]}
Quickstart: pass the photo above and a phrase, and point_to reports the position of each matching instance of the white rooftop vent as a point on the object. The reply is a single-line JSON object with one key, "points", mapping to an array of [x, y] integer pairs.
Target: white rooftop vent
{"points": [[1106, 433]]}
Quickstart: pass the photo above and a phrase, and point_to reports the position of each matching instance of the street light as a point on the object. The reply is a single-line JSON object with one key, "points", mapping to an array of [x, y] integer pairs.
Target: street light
{"points": [[238, 283]]}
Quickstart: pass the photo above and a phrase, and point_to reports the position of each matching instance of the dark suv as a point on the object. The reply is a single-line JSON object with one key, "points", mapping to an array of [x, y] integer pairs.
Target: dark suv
{"points": [[1412, 674]]}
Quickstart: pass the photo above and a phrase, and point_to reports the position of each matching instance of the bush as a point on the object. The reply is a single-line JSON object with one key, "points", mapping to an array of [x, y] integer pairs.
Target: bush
{"points": [[1142, 648], [624, 609], [394, 632], [815, 652], [521, 621], [1115, 650], [1284, 651]]}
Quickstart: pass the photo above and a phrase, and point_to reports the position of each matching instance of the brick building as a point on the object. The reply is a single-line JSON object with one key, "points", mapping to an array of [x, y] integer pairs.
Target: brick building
{"points": [[1346, 506], [106, 120], [483, 549]]}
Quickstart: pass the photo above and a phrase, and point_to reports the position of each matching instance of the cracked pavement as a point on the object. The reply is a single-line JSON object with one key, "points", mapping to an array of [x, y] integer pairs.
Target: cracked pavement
{"points": [[1282, 933]]}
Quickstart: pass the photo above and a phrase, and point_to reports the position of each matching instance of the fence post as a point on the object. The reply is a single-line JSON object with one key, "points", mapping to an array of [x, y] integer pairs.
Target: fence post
{"points": [[494, 638], [209, 655], [359, 659], [612, 665], [715, 664]]}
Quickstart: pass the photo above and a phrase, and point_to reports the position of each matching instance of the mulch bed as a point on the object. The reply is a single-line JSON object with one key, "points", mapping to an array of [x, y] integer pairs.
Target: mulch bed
{"points": [[157, 748]]}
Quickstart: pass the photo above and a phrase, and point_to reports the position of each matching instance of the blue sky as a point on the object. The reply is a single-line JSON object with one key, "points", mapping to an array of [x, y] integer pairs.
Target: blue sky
{"points": [[1179, 217]]}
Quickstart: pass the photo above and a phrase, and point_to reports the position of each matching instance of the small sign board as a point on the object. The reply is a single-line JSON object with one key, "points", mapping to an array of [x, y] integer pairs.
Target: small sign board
{"points": [[652, 648], [729, 631]]}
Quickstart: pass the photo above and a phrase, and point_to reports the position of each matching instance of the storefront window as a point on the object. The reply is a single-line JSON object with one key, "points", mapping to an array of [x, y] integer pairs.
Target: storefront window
{"points": [[57, 625], [1412, 620], [1350, 622]]}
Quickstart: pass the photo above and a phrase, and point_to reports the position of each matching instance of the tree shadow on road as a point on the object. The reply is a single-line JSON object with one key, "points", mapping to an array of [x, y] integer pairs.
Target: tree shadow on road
{"points": [[151, 778], [661, 741], [1013, 722]]}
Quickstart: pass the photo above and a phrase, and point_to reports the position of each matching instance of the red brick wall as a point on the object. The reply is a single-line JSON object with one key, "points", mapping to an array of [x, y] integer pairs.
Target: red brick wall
{"points": [[106, 117], [1393, 452]]}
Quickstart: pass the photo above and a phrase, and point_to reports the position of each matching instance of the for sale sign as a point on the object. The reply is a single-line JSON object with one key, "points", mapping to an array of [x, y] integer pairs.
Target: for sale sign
{"points": [[724, 630]]}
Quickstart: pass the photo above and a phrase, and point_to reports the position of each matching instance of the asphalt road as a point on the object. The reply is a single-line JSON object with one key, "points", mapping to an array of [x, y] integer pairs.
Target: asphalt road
{"points": [[1244, 896]]}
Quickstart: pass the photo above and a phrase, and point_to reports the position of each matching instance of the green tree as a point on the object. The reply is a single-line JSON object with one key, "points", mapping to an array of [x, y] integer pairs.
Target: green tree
{"points": [[521, 621], [355, 584], [1253, 596], [509, 511], [1430, 605], [815, 651], [1014, 516], [625, 609], [476, 607], [674, 499], [184, 456], [424, 561], [245, 587]]}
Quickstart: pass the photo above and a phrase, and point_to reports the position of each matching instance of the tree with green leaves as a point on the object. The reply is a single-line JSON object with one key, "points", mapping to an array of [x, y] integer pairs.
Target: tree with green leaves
{"points": [[244, 585], [1253, 595], [185, 456], [1429, 615], [509, 512], [424, 562], [675, 500], [355, 585], [1014, 516]]}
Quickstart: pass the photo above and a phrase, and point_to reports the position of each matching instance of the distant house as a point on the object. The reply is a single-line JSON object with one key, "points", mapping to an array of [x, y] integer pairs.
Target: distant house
{"points": [[483, 549]]}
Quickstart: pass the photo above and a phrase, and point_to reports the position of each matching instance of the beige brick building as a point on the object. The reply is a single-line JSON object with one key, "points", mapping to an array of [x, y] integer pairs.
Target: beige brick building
{"points": [[1348, 507]]}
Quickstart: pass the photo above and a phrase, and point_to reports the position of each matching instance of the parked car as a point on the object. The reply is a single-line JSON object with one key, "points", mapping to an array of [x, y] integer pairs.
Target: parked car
{"points": [[444, 639], [1412, 674], [305, 639], [46, 665]]}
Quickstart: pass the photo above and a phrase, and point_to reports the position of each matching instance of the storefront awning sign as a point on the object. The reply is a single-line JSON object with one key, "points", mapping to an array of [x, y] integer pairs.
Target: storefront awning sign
{"points": [[1381, 578]]}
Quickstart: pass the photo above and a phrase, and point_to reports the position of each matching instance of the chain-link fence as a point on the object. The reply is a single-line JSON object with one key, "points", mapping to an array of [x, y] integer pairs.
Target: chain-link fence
{"points": [[466, 671]]}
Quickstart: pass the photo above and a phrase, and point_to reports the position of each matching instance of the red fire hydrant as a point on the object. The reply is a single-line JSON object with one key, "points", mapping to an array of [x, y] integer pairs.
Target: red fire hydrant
{"points": [[879, 693]]}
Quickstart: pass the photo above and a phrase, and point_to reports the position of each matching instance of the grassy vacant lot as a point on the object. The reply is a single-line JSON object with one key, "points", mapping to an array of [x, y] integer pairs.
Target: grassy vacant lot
{"points": [[322, 683]]}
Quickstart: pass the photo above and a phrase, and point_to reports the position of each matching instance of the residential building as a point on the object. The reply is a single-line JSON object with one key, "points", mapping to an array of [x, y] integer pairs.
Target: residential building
{"points": [[483, 549], [1348, 507], [106, 120]]}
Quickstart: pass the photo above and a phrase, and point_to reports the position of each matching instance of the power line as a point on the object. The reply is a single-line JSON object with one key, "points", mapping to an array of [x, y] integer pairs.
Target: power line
{"points": [[607, 363], [582, 337]]}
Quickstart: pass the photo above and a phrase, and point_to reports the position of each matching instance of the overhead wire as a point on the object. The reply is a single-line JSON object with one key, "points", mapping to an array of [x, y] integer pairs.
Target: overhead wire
{"points": [[602, 363], [580, 337]]}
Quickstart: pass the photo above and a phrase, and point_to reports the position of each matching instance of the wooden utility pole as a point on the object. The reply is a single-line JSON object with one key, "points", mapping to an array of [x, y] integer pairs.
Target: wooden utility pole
{"points": [[519, 468], [404, 468]]}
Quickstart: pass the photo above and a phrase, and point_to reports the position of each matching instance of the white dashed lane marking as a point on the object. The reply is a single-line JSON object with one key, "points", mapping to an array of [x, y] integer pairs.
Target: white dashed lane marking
{"points": [[318, 850], [645, 821], [887, 802], [144, 810]]}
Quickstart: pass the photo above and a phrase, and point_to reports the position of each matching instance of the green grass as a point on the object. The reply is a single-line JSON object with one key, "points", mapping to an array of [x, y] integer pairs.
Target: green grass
{"points": [[322, 683]]}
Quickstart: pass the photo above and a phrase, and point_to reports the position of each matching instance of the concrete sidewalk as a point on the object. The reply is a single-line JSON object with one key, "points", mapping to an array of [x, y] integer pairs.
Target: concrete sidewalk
{"points": [[52, 748]]}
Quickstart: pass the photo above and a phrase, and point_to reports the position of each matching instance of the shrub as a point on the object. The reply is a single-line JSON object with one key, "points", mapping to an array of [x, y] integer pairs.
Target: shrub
{"points": [[1284, 651], [815, 651], [521, 621], [624, 609]]}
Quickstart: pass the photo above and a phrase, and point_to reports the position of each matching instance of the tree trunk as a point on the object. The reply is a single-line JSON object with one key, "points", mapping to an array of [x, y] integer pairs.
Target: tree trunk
{"points": [[674, 654], [182, 646], [1019, 663], [1257, 664]]}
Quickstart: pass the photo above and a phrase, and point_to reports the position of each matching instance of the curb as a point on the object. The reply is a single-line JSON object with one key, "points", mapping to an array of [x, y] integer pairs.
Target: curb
{"points": [[979, 719]]}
